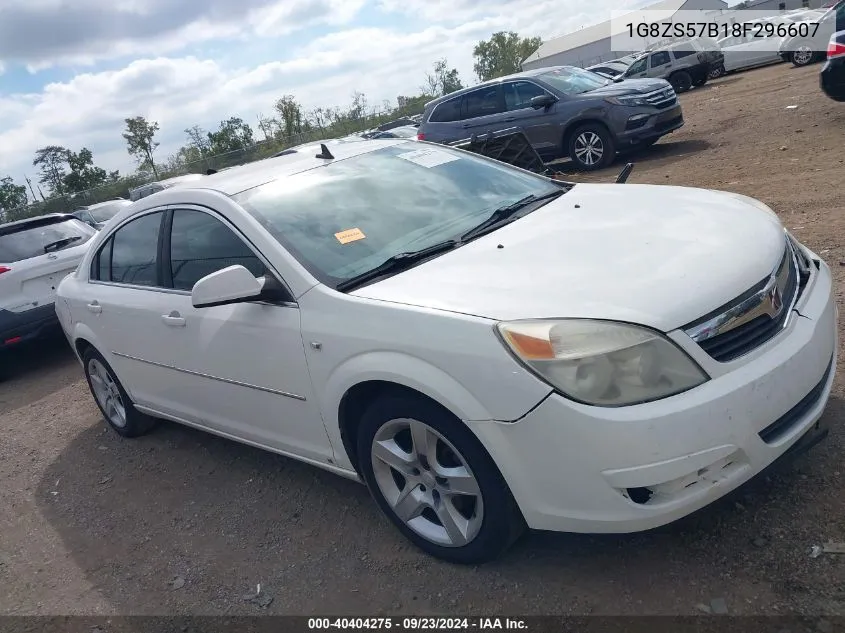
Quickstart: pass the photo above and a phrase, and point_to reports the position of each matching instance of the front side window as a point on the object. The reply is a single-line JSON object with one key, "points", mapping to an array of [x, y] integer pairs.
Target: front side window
{"points": [[518, 94], [42, 238], [481, 102], [572, 81], [637, 67], [201, 244], [349, 216], [134, 252]]}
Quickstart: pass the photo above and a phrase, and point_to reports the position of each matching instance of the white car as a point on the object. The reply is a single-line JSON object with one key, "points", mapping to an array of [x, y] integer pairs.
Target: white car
{"points": [[748, 51], [35, 254], [486, 348]]}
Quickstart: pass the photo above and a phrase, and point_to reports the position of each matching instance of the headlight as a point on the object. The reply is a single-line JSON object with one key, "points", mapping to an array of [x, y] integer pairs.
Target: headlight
{"points": [[602, 363], [628, 101]]}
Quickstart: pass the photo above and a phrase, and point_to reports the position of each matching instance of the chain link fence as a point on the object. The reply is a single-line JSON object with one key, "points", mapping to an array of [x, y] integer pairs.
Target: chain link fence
{"points": [[336, 125]]}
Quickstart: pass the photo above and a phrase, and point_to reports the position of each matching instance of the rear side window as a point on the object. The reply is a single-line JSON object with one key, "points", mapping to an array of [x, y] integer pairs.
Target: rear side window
{"points": [[658, 59], [482, 102], [447, 111], [39, 239], [201, 244], [680, 53], [130, 256]]}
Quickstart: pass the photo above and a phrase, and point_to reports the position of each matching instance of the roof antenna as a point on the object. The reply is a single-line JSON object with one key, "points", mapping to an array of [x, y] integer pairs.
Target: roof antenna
{"points": [[324, 152]]}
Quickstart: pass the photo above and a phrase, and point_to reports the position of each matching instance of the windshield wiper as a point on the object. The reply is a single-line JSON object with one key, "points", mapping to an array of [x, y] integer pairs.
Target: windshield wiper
{"points": [[395, 263], [503, 214], [54, 246]]}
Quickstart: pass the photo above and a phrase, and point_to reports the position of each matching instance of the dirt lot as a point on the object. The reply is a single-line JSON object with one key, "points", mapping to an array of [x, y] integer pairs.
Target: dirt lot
{"points": [[183, 522]]}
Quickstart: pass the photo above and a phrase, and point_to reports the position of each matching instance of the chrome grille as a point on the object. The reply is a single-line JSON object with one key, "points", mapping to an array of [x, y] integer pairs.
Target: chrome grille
{"points": [[752, 318], [662, 98]]}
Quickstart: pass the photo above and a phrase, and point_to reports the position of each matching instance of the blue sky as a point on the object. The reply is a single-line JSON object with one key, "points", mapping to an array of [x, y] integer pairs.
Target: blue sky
{"points": [[71, 72]]}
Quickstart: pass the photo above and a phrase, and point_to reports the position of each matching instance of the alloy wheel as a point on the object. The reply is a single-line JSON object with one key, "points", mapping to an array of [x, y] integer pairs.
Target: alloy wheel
{"points": [[107, 393], [589, 148], [802, 55], [427, 482]]}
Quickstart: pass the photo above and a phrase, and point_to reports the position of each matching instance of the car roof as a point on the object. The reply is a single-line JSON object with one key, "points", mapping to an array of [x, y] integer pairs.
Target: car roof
{"points": [[106, 204], [39, 220], [238, 179], [525, 74]]}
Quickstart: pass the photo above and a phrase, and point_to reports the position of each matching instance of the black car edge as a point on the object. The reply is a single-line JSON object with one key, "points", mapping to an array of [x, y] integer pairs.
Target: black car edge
{"points": [[832, 75]]}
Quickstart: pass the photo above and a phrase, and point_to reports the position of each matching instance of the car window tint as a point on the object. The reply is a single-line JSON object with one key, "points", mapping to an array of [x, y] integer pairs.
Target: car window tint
{"points": [[39, 239], [682, 52], [134, 252], [101, 266], [447, 111], [201, 244], [637, 67], [658, 59], [518, 94], [482, 102]]}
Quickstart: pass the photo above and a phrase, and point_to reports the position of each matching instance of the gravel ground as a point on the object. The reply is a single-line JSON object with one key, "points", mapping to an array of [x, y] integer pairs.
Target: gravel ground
{"points": [[184, 522]]}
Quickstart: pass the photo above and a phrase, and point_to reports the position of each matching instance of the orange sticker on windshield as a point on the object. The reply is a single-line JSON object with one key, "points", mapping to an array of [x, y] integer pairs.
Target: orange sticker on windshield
{"points": [[349, 235]]}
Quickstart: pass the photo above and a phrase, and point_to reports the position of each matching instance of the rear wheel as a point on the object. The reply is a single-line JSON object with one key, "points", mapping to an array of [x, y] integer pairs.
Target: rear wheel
{"points": [[433, 479], [111, 397], [681, 81], [591, 147]]}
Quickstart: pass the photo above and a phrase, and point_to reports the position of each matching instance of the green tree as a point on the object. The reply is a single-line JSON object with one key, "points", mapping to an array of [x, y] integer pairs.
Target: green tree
{"points": [[84, 174], [502, 54], [51, 162], [198, 139], [140, 141], [442, 81], [290, 115], [12, 196], [233, 134]]}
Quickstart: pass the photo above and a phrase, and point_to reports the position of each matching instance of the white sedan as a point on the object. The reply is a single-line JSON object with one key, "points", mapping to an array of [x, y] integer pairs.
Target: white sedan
{"points": [[487, 349]]}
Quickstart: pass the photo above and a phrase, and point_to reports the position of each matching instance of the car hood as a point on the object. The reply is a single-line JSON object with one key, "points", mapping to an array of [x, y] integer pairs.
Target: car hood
{"points": [[654, 255], [627, 87]]}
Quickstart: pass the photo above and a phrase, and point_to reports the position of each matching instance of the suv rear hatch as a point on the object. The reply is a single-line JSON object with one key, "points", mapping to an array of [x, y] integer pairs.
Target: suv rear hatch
{"points": [[35, 255]]}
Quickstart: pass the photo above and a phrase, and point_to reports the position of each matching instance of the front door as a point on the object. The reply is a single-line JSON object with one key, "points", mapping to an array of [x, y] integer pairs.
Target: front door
{"points": [[537, 123]]}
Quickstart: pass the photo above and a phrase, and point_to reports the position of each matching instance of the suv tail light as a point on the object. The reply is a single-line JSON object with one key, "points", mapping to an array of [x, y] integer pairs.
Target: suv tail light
{"points": [[420, 136], [834, 49], [4, 269]]}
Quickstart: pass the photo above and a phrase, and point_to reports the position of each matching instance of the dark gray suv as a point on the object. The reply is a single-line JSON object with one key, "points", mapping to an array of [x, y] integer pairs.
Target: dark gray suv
{"points": [[563, 110]]}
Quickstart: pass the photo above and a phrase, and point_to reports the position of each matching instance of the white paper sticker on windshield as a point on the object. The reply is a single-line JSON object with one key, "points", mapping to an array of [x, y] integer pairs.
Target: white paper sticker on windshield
{"points": [[429, 157]]}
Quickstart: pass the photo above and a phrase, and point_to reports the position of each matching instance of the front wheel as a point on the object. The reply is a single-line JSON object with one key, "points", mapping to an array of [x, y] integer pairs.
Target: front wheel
{"points": [[433, 479], [802, 56], [591, 147], [681, 81]]}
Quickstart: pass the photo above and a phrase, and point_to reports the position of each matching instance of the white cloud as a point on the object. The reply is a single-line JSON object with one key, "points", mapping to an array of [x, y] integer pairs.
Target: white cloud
{"points": [[89, 110]]}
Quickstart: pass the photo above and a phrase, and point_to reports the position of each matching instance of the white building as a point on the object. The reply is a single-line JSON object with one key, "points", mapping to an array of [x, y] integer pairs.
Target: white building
{"points": [[592, 44]]}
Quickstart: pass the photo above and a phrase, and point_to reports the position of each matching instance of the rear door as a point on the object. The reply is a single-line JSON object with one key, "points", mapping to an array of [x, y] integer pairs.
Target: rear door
{"points": [[483, 110], [537, 123], [35, 258]]}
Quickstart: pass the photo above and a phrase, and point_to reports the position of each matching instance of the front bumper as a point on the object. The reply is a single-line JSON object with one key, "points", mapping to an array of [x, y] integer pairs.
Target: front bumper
{"points": [[578, 468], [650, 124], [19, 327]]}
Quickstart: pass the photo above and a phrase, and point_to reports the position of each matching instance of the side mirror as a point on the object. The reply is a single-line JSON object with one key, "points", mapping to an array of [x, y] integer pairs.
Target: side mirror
{"points": [[234, 284], [542, 101]]}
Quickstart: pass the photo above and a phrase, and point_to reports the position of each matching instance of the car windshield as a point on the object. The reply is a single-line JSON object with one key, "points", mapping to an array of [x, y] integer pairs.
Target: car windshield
{"points": [[106, 212], [573, 81], [349, 216], [30, 241]]}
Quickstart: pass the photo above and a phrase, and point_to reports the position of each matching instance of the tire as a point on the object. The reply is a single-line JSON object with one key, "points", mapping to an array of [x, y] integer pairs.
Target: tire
{"points": [[111, 398], [681, 81], [803, 56], [483, 523], [588, 139], [715, 73]]}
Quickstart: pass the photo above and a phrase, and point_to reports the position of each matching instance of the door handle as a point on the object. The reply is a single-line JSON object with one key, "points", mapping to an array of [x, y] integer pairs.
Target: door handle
{"points": [[174, 319], [465, 125], [510, 118], [94, 307]]}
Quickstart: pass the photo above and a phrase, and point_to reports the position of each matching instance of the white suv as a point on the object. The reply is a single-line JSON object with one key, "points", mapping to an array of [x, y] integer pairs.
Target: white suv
{"points": [[35, 254]]}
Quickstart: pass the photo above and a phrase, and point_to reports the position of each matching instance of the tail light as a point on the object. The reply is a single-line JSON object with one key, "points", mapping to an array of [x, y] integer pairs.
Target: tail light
{"points": [[4, 269], [420, 136], [834, 49]]}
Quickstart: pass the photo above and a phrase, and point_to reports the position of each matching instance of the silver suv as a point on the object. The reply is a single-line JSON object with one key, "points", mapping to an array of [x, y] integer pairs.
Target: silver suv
{"points": [[562, 110], [684, 64]]}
